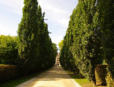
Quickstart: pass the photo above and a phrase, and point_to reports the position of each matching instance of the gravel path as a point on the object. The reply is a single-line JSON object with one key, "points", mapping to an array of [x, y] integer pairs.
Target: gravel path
{"points": [[55, 77]]}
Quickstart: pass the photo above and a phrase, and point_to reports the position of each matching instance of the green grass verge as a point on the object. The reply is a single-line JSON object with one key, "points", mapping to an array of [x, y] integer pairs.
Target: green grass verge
{"points": [[14, 83], [78, 78], [82, 81]]}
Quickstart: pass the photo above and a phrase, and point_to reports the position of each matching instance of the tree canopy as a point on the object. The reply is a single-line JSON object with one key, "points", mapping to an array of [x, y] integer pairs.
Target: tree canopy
{"points": [[35, 46], [89, 37]]}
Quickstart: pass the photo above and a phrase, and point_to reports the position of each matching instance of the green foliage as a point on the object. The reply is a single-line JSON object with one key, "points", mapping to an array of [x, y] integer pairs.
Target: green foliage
{"points": [[8, 42], [54, 49], [35, 46], [106, 22], [8, 49], [61, 44], [89, 38], [66, 58], [86, 47], [28, 29]]}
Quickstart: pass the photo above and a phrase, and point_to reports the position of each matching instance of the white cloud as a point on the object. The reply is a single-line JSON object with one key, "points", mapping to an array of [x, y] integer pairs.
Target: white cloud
{"points": [[14, 6], [7, 30], [57, 13], [12, 3], [56, 38]]}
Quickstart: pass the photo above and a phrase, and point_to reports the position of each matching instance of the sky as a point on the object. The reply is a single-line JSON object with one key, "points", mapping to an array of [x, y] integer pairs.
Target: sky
{"points": [[56, 11]]}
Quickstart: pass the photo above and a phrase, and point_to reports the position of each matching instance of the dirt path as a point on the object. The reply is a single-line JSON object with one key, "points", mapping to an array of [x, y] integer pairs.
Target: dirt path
{"points": [[55, 77]]}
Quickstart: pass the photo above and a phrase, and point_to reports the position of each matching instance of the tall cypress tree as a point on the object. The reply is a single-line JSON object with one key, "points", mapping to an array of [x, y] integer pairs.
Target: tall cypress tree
{"points": [[106, 21], [35, 46], [45, 43], [66, 57], [85, 46], [92, 34], [28, 33]]}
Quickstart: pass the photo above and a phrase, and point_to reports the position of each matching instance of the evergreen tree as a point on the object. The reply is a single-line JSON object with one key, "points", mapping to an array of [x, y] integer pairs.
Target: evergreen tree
{"points": [[28, 34], [66, 58], [45, 43], [27, 29], [106, 23], [88, 35], [86, 48], [35, 46]]}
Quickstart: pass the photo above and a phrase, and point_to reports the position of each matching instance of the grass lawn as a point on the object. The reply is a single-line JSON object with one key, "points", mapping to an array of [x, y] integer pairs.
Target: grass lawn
{"points": [[82, 81], [14, 83], [79, 79], [86, 83]]}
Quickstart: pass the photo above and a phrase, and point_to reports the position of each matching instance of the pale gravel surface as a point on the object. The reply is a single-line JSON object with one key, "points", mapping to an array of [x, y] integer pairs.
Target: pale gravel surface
{"points": [[55, 77]]}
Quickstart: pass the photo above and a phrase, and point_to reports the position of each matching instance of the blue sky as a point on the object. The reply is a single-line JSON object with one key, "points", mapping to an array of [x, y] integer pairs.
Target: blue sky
{"points": [[57, 12]]}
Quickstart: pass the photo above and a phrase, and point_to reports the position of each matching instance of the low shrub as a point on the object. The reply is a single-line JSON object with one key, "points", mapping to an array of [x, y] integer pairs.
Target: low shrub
{"points": [[8, 49]]}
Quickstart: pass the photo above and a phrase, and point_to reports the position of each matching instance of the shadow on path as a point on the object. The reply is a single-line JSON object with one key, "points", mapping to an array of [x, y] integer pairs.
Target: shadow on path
{"points": [[56, 73], [54, 77]]}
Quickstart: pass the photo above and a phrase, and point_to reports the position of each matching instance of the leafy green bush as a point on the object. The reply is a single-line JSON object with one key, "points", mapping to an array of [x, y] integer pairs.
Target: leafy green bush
{"points": [[8, 49]]}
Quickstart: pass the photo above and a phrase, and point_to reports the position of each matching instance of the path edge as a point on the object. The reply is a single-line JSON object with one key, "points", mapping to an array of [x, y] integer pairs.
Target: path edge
{"points": [[76, 84]]}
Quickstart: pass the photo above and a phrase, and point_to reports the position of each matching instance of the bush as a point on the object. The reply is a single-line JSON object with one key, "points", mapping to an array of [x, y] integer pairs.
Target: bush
{"points": [[8, 49]]}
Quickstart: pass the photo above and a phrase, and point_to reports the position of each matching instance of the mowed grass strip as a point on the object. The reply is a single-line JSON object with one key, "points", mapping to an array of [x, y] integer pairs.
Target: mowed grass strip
{"points": [[82, 81]]}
